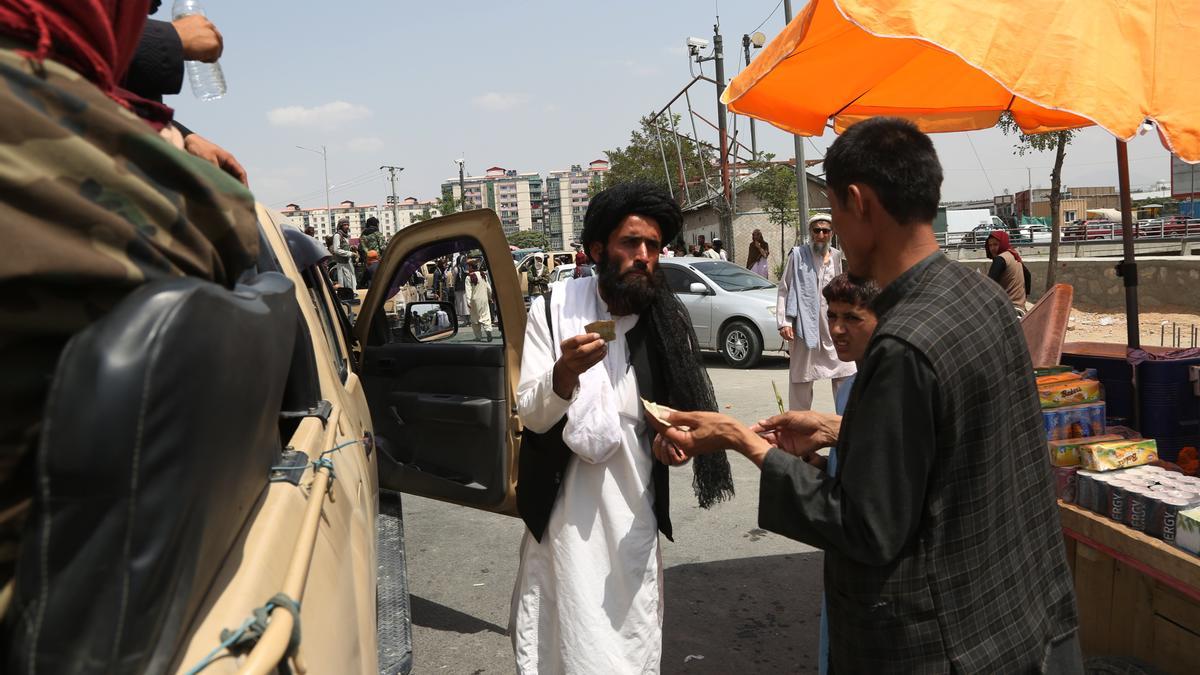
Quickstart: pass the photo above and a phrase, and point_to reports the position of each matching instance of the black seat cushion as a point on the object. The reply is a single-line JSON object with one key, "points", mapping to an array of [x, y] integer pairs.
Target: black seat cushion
{"points": [[158, 438]]}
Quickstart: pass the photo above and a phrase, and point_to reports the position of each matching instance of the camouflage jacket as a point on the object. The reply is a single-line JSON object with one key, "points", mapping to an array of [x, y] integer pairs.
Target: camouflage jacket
{"points": [[538, 283], [373, 241], [96, 203]]}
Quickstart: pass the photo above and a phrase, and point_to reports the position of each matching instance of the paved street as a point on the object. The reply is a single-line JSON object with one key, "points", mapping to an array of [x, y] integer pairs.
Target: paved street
{"points": [[737, 598]]}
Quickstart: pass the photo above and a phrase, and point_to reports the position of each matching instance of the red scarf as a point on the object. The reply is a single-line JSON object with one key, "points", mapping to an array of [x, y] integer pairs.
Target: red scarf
{"points": [[1002, 237], [96, 38]]}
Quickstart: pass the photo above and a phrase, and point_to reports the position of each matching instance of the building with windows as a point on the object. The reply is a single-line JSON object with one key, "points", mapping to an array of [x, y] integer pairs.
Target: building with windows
{"points": [[516, 197], [323, 220], [1074, 205], [567, 197]]}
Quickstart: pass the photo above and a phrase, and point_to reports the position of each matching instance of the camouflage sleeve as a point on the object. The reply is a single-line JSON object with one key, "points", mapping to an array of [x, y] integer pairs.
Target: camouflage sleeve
{"points": [[97, 203]]}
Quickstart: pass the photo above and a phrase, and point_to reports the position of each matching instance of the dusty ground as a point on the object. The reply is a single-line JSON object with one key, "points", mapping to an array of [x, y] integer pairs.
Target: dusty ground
{"points": [[1110, 327]]}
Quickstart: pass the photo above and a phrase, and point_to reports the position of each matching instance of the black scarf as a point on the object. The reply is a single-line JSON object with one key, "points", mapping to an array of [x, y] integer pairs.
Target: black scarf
{"points": [[673, 341]]}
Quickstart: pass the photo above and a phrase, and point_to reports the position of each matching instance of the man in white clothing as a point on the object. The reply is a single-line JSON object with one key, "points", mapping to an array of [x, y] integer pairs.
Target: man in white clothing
{"points": [[592, 482], [801, 312]]}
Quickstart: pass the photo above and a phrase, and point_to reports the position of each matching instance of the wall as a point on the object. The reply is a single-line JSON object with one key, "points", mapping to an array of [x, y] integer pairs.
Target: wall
{"points": [[1165, 284]]}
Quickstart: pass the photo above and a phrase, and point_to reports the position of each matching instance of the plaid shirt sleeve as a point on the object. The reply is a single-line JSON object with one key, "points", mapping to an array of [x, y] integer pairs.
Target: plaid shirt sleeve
{"points": [[870, 511]]}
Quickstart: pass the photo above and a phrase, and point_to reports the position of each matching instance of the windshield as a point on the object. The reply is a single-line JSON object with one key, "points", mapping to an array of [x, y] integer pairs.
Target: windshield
{"points": [[732, 277]]}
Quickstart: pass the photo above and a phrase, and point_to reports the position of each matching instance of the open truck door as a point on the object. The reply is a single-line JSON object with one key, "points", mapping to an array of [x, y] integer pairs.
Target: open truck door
{"points": [[443, 395]]}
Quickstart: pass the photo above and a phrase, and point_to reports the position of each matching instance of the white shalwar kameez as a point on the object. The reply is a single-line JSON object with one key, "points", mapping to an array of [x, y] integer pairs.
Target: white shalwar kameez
{"points": [[588, 597]]}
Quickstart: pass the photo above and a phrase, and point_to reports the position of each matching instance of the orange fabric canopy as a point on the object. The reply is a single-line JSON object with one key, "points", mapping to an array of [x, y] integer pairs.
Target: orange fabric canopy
{"points": [[954, 65]]}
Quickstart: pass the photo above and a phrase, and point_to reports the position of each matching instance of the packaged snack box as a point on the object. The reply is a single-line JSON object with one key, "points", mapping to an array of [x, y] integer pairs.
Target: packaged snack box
{"points": [[1069, 393], [1080, 421], [1109, 455], [1050, 370], [1187, 531], [1066, 452], [1072, 376]]}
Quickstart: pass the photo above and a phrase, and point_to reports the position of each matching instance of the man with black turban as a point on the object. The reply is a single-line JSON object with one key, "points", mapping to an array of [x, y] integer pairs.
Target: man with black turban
{"points": [[592, 480]]}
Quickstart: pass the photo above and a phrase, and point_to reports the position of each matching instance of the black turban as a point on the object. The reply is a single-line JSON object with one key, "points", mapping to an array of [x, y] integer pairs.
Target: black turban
{"points": [[609, 208]]}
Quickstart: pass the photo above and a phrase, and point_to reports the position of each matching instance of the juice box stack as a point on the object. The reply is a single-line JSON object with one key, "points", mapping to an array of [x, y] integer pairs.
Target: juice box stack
{"points": [[1106, 469]]}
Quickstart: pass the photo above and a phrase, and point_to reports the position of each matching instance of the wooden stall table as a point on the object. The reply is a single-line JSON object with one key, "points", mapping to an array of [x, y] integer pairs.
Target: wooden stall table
{"points": [[1137, 596]]}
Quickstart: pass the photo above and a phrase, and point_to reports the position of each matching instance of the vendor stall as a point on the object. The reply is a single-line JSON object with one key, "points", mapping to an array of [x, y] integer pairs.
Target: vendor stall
{"points": [[1137, 596]]}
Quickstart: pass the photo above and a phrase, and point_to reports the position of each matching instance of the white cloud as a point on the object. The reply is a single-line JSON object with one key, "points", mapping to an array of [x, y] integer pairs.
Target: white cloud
{"points": [[496, 101], [327, 116], [551, 108], [365, 145]]}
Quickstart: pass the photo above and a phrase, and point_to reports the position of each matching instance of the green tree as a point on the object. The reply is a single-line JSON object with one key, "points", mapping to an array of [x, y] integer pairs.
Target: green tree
{"points": [[642, 159], [527, 239], [1056, 141], [424, 215]]}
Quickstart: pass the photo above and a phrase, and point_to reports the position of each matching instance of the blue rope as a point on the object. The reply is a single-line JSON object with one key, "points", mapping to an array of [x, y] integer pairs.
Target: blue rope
{"points": [[212, 656], [322, 455]]}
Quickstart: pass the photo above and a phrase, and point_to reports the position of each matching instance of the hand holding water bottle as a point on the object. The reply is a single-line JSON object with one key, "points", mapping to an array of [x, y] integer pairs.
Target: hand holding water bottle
{"points": [[201, 41]]}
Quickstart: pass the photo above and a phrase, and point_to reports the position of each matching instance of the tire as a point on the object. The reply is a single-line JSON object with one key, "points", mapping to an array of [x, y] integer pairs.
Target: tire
{"points": [[740, 344]]}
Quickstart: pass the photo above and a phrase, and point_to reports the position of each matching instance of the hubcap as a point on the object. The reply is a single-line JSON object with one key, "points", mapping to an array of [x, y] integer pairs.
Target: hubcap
{"points": [[737, 345]]}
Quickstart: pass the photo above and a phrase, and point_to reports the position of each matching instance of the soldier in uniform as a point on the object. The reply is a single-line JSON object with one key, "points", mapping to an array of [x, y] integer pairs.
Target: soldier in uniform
{"points": [[538, 276], [95, 203]]}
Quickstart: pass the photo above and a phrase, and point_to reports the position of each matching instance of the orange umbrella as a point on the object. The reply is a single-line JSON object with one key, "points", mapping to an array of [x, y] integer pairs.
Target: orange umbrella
{"points": [[954, 65]]}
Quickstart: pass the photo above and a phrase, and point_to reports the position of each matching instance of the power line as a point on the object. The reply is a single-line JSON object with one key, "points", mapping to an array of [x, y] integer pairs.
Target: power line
{"points": [[764, 21], [980, 161]]}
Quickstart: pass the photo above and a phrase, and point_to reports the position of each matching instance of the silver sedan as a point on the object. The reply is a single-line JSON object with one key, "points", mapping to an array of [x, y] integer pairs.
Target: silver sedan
{"points": [[732, 309]]}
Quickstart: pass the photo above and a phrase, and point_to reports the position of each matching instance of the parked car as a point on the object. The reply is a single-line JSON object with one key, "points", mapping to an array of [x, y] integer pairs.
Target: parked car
{"points": [[567, 271], [732, 309], [1030, 234], [1091, 230], [278, 437], [979, 235]]}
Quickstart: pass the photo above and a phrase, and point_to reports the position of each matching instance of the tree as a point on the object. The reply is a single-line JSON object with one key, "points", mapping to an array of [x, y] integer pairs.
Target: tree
{"points": [[527, 239], [445, 205], [1056, 141], [642, 159], [424, 215]]}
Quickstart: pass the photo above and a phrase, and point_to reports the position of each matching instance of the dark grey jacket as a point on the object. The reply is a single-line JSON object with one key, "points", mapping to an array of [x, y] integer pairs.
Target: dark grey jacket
{"points": [[944, 551]]}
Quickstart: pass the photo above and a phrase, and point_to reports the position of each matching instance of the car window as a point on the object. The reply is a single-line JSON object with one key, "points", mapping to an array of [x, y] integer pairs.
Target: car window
{"points": [[322, 298], [732, 277], [679, 279], [468, 293]]}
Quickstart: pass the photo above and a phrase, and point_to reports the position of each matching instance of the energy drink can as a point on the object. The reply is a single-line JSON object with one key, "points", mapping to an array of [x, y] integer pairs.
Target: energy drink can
{"points": [[1166, 518], [1137, 507], [1065, 484], [1118, 498], [1085, 489]]}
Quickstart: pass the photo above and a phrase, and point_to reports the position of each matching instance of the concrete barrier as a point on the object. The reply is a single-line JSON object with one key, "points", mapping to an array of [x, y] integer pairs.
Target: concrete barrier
{"points": [[1165, 284]]}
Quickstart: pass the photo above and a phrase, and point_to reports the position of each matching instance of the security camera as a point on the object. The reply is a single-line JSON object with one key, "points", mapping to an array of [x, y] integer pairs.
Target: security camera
{"points": [[697, 43]]}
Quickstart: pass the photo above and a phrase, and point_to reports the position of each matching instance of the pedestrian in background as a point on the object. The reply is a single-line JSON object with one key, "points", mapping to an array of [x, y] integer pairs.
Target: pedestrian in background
{"points": [[758, 257], [801, 313], [459, 282], [343, 256], [1008, 270], [538, 276], [719, 247], [479, 293], [710, 252]]}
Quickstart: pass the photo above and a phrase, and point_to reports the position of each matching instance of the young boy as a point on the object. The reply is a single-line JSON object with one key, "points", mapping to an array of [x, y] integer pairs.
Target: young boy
{"points": [[851, 323]]}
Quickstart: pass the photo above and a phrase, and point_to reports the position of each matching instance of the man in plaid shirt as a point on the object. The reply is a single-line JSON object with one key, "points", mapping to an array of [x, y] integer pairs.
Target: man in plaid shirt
{"points": [[942, 543]]}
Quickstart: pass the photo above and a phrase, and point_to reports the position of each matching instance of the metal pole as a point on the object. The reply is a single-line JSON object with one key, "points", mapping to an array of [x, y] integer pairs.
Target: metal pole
{"points": [[392, 178], [1029, 179], [1128, 267], [801, 170], [753, 136], [679, 153], [666, 168], [726, 189], [462, 187]]}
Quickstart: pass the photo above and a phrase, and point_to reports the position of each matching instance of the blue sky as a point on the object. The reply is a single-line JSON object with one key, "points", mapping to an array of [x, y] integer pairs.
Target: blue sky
{"points": [[533, 86]]}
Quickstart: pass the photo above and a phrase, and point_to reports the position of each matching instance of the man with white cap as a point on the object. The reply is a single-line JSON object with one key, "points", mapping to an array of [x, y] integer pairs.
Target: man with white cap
{"points": [[801, 309]]}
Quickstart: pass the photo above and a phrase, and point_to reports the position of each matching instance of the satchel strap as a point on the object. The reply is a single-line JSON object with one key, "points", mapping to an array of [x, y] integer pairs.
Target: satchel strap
{"points": [[549, 323]]}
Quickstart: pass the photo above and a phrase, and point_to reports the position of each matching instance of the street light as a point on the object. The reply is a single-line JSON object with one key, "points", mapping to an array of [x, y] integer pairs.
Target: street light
{"points": [[325, 162]]}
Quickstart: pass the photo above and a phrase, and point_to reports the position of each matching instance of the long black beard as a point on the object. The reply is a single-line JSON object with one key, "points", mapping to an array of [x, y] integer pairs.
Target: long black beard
{"points": [[630, 293]]}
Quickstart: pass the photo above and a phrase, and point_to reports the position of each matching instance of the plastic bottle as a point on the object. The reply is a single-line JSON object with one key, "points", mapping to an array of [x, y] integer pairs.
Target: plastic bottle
{"points": [[208, 82]]}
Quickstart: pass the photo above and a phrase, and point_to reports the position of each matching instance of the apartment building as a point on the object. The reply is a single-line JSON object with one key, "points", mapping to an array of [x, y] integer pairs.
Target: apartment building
{"points": [[323, 220], [515, 196], [567, 197]]}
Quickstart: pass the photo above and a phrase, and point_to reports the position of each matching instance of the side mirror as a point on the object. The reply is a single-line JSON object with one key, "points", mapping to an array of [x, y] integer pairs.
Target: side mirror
{"points": [[430, 321], [698, 288]]}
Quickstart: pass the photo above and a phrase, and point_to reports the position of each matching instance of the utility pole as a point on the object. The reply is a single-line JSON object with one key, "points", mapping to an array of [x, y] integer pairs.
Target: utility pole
{"points": [[727, 215], [1029, 181], [462, 186], [801, 170], [753, 135], [392, 178], [325, 162]]}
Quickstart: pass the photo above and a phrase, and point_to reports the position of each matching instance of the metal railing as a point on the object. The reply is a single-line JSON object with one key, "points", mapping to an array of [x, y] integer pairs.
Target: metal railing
{"points": [[1144, 230]]}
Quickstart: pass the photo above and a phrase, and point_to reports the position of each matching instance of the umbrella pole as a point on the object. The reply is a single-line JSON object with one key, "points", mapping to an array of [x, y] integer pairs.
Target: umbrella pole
{"points": [[1127, 269]]}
